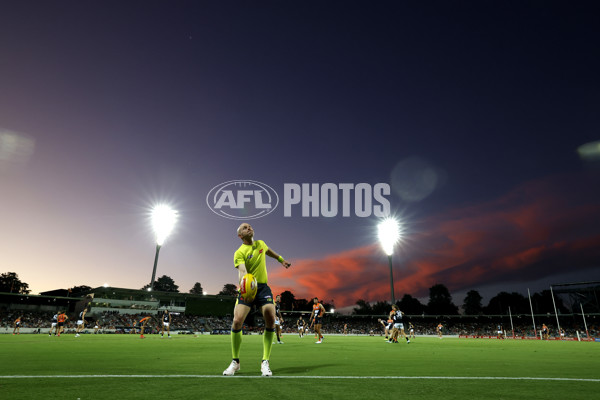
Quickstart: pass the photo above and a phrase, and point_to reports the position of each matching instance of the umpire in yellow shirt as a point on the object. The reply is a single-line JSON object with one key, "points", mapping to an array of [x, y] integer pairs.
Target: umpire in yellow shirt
{"points": [[250, 258]]}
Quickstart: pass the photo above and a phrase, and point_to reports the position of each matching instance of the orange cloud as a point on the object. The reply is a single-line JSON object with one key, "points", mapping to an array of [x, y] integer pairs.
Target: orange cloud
{"points": [[538, 229]]}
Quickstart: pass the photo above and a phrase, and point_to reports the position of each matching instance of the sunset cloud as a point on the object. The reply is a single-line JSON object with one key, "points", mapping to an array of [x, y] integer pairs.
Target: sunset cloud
{"points": [[539, 229]]}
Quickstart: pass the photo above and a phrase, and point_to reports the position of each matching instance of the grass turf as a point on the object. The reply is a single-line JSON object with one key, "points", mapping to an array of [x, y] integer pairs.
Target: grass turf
{"points": [[338, 356]]}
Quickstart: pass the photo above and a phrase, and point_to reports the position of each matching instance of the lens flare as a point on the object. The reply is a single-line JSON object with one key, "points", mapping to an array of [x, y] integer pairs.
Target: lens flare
{"points": [[163, 222], [389, 234], [590, 151]]}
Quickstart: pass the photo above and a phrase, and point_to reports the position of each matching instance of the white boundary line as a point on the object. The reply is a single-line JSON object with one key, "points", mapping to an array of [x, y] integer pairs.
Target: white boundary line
{"points": [[486, 378]]}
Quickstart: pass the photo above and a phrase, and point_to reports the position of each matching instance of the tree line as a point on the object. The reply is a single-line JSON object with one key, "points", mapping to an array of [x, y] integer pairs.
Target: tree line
{"points": [[440, 301], [10, 283]]}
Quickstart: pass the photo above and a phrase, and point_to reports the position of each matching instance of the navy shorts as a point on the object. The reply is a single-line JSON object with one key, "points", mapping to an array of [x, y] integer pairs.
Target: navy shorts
{"points": [[263, 296]]}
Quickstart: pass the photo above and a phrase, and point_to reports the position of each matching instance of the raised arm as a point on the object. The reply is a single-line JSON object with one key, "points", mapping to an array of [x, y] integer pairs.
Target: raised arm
{"points": [[279, 258]]}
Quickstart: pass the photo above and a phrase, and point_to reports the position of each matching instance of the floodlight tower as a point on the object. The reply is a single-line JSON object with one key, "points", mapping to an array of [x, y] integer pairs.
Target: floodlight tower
{"points": [[163, 221], [389, 235]]}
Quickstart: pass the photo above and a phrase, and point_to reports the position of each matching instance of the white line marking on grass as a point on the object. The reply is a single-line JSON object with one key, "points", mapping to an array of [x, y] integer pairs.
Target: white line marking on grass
{"points": [[508, 378]]}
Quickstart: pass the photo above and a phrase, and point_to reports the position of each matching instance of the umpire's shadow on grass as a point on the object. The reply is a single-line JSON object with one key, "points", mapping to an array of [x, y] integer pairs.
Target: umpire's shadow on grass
{"points": [[302, 369]]}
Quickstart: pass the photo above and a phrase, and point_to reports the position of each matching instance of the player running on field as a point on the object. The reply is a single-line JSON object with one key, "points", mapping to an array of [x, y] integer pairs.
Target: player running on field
{"points": [[545, 332], [398, 329], [80, 322], [387, 326], [300, 325], [278, 318], [500, 332], [53, 326], [316, 318], [250, 258]]}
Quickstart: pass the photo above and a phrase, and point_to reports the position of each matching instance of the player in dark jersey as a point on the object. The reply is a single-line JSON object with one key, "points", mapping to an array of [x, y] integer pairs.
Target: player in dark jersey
{"points": [[53, 325], [278, 318], [80, 322], [500, 332], [300, 325], [398, 329], [166, 323], [387, 326]]}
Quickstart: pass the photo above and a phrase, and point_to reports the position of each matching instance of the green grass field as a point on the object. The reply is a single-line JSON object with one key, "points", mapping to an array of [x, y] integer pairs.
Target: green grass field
{"points": [[188, 367]]}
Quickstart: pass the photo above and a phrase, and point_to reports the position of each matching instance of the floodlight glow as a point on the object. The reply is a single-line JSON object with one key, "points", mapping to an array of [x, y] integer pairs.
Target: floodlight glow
{"points": [[149, 289], [389, 234], [163, 221], [332, 310], [105, 285]]}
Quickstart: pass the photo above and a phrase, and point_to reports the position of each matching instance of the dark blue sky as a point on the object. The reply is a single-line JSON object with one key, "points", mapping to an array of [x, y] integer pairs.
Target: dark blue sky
{"points": [[119, 104]]}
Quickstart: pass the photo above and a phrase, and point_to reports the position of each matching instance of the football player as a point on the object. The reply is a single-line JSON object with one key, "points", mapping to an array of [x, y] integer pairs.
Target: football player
{"points": [[316, 318], [278, 318]]}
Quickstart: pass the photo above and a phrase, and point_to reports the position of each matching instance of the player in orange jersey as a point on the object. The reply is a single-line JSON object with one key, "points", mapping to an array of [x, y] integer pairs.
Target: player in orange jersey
{"points": [[142, 325], [17, 326], [316, 318]]}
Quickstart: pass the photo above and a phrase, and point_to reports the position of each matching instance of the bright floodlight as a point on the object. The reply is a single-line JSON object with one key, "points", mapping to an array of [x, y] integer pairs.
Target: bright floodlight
{"points": [[389, 234], [105, 285], [163, 221]]}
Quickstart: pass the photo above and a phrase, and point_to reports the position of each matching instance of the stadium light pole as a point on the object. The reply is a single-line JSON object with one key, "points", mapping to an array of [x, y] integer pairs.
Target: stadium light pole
{"points": [[389, 235], [163, 221]]}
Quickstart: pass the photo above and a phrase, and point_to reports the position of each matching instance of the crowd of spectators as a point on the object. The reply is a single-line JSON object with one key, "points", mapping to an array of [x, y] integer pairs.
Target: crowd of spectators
{"points": [[29, 319], [483, 326], [115, 322], [108, 321]]}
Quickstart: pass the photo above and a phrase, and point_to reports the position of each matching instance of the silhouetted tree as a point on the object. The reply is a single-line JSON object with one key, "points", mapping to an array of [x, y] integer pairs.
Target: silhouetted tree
{"points": [[287, 300], [363, 308], [499, 304], [164, 284], [76, 290], [410, 305], [197, 289], [10, 283], [302, 305], [229, 289], [381, 308], [329, 305], [440, 301], [542, 303], [472, 303]]}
